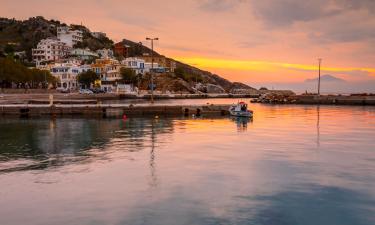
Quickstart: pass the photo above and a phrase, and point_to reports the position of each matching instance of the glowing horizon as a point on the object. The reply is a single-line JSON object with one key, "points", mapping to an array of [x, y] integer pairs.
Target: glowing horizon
{"points": [[254, 65]]}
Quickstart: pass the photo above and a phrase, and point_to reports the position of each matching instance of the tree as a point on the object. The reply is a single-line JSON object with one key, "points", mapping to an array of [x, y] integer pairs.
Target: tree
{"points": [[87, 78], [9, 49], [41, 76], [13, 71], [128, 75], [181, 73]]}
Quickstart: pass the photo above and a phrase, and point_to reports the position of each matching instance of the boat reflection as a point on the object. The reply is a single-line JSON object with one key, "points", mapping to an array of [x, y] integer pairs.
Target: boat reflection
{"points": [[242, 122]]}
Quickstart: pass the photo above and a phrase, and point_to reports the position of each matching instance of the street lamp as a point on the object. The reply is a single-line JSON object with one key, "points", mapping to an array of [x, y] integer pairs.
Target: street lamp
{"points": [[152, 66], [320, 63]]}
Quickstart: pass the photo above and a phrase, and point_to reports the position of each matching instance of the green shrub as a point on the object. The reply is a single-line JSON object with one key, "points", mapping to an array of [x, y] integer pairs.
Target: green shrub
{"points": [[14, 71]]}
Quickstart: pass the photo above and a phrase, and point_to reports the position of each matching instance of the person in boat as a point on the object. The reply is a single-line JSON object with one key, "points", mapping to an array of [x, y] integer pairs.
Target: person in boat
{"points": [[243, 107]]}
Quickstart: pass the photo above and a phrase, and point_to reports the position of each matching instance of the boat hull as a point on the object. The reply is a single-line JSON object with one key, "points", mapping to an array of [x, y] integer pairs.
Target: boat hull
{"points": [[241, 113]]}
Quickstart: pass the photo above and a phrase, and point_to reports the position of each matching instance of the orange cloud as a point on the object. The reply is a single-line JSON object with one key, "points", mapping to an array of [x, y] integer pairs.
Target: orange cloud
{"points": [[262, 66]]}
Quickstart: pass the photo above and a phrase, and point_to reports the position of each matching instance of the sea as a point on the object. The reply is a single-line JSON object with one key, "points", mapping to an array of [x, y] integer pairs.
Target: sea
{"points": [[288, 165]]}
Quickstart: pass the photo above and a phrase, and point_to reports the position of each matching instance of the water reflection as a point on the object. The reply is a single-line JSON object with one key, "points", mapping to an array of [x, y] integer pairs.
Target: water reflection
{"points": [[318, 205], [242, 123], [40, 144], [192, 171], [154, 179], [318, 126]]}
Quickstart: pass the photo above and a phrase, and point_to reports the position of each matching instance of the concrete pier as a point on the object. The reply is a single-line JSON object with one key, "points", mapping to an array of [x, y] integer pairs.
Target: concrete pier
{"points": [[110, 110]]}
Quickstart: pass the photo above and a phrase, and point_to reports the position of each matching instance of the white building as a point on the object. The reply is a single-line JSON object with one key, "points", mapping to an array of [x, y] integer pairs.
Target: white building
{"points": [[154, 66], [69, 36], [138, 65], [105, 53], [83, 54], [50, 49], [66, 74]]}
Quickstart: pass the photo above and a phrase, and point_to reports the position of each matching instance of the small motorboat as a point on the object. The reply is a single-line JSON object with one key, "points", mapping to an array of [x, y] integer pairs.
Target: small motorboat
{"points": [[240, 110]]}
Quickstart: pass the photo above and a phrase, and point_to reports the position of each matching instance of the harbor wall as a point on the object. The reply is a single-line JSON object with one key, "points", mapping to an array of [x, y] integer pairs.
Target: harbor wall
{"points": [[111, 110]]}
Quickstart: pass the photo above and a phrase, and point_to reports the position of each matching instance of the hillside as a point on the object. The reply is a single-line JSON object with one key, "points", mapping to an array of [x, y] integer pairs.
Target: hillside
{"points": [[138, 49], [16, 35], [25, 35]]}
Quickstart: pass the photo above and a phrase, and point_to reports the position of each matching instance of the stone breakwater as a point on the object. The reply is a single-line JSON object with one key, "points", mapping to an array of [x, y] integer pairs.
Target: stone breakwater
{"points": [[314, 99]]}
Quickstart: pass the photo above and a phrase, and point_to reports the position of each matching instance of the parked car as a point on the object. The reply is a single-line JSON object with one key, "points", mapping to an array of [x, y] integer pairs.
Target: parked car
{"points": [[63, 90], [85, 91], [97, 90]]}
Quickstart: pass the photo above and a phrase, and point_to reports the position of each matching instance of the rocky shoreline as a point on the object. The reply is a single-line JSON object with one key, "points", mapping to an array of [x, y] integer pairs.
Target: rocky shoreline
{"points": [[353, 99]]}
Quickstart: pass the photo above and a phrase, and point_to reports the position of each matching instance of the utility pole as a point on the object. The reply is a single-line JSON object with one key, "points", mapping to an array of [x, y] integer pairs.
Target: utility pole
{"points": [[320, 64], [152, 66]]}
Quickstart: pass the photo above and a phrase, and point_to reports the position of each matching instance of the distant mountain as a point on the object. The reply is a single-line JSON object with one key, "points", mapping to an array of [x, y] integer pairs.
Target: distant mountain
{"points": [[326, 78]]}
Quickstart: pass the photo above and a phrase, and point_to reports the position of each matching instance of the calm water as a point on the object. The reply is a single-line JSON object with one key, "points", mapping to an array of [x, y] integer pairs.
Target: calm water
{"points": [[290, 165]]}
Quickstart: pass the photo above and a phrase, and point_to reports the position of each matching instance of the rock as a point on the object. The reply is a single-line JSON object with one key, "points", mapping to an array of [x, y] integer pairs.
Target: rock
{"points": [[278, 92], [245, 91], [201, 87], [212, 88], [240, 88]]}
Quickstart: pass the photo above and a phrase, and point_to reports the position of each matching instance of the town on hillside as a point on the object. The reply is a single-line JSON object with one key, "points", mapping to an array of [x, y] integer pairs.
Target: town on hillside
{"points": [[60, 56], [123, 67]]}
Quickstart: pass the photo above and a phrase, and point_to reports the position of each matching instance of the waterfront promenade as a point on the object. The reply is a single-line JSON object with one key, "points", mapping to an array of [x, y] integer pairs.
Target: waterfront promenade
{"points": [[76, 98], [31, 97]]}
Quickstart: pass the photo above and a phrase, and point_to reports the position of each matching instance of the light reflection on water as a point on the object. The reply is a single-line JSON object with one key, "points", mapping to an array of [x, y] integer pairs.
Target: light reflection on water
{"points": [[289, 165]]}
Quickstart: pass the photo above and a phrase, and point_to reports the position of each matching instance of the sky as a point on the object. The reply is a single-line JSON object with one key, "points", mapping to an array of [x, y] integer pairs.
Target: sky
{"points": [[261, 43]]}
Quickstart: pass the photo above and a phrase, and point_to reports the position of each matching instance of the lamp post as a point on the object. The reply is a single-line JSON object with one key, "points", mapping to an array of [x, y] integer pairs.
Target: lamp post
{"points": [[320, 63], [152, 66]]}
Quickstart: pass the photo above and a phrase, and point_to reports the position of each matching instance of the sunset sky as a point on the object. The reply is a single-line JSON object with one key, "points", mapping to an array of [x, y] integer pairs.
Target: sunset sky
{"points": [[258, 42]]}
